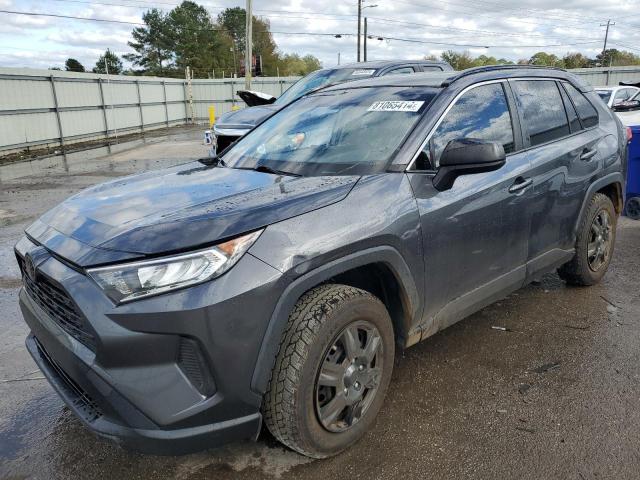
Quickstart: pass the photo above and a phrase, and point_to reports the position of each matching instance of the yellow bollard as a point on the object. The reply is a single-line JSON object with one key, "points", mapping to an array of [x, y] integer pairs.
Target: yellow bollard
{"points": [[212, 115], [235, 107]]}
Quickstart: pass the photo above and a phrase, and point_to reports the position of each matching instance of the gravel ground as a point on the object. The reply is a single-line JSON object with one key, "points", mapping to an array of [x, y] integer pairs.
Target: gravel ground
{"points": [[554, 396]]}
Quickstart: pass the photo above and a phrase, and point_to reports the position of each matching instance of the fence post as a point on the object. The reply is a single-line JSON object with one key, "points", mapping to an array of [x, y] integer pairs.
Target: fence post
{"points": [[233, 94], [140, 107], [104, 115], [166, 108], [186, 102], [61, 133]]}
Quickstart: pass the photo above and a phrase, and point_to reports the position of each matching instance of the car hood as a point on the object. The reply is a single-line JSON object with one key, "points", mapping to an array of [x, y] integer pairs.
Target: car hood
{"points": [[179, 208], [247, 117]]}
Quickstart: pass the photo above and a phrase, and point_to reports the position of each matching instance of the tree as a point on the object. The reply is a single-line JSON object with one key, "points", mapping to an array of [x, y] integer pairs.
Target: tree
{"points": [[616, 58], [73, 65], [293, 64], [433, 58], [196, 41], [112, 61], [575, 60], [233, 22], [154, 51], [545, 59], [459, 61]]}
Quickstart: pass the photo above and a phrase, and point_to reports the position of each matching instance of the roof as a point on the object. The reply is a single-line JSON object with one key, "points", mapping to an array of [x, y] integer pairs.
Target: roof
{"points": [[375, 64], [444, 79], [428, 79]]}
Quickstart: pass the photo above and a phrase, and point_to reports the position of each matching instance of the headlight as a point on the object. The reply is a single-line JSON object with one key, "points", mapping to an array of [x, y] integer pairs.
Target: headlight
{"points": [[130, 281]]}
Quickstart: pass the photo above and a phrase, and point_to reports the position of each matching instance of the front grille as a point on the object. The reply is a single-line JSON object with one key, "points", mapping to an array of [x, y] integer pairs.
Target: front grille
{"points": [[81, 400], [59, 306]]}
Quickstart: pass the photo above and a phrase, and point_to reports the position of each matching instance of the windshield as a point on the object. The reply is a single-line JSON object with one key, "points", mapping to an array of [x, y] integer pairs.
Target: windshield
{"points": [[320, 78], [352, 131], [605, 95]]}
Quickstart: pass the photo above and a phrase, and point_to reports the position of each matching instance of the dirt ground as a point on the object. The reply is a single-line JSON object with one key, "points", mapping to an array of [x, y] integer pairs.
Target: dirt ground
{"points": [[554, 396]]}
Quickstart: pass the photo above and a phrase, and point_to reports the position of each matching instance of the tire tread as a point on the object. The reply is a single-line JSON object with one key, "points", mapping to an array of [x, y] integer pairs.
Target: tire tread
{"points": [[305, 320]]}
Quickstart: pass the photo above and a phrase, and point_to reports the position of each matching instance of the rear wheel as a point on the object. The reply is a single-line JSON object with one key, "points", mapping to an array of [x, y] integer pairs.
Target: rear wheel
{"points": [[594, 244], [332, 371]]}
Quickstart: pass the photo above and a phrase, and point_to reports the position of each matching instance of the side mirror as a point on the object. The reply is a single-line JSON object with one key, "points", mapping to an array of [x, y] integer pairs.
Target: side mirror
{"points": [[626, 105], [466, 156]]}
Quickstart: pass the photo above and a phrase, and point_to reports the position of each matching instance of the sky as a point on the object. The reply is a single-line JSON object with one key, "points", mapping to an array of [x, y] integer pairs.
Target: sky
{"points": [[500, 28]]}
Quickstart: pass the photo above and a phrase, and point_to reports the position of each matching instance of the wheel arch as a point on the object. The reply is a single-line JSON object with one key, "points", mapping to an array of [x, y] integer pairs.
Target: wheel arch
{"points": [[397, 288], [611, 186]]}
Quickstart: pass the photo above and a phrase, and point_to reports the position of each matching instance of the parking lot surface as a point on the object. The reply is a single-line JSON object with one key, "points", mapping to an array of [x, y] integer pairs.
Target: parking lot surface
{"points": [[553, 392]]}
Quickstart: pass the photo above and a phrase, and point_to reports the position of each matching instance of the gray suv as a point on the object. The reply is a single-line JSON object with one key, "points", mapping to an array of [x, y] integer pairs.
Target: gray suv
{"points": [[233, 125], [180, 309]]}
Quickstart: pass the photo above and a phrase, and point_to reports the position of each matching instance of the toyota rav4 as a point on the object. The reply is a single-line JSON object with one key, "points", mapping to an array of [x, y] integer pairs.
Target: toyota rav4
{"points": [[179, 309]]}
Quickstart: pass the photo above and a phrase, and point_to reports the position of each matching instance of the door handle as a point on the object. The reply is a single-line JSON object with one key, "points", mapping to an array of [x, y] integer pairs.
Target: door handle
{"points": [[520, 184], [588, 154]]}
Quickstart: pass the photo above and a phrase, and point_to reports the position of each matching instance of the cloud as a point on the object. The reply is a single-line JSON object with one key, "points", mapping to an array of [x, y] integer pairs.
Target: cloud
{"points": [[511, 30]]}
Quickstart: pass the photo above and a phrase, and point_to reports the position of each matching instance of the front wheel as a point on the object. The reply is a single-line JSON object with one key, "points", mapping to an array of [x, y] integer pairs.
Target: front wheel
{"points": [[332, 371], [594, 244]]}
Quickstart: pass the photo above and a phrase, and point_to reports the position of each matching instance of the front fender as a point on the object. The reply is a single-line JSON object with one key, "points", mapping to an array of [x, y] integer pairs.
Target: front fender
{"points": [[386, 255]]}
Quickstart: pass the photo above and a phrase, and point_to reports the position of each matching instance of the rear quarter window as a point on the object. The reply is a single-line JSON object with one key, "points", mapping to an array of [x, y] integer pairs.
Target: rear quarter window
{"points": [[587, 112]]}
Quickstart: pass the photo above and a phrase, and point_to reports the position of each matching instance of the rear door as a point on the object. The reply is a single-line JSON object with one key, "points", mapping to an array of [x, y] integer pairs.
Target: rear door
{"points": [[475, 234], [563, 156]]}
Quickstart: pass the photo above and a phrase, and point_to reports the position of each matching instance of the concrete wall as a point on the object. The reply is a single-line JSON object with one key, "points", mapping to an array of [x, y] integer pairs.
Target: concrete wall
{"points": [[44, 108], [41, 108]]}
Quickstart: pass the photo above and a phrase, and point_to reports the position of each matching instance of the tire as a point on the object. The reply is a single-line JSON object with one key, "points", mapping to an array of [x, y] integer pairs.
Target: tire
{"points": [[633, 208], [583, 269], [322, 322]]}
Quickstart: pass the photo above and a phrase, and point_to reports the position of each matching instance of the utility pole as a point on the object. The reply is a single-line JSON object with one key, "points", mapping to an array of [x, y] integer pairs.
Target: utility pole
{"points": [[248, 54], [338, 58], [359, 21], [606, 35], [365, 39]]}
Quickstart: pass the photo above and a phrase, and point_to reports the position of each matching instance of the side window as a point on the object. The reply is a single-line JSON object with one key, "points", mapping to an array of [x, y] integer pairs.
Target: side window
{"points": [[429, 68], [587, 112], [542, 111], [621, 96], [401, 71], [481, 113], [574, 123]]}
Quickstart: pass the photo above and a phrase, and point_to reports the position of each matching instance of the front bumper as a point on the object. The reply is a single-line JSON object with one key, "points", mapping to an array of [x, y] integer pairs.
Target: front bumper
{"points": [[147, 440], [165, 375]]}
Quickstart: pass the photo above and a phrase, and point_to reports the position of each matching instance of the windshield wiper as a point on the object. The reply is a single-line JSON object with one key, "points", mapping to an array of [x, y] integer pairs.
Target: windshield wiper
{"points": [[267, 169]]}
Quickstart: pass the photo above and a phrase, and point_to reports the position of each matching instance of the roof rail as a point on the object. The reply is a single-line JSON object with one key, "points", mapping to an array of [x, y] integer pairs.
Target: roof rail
{"points": [[491, 68]]}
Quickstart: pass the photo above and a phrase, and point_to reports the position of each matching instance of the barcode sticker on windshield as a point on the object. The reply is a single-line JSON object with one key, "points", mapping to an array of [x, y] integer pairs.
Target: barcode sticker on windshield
{"points": [[363, 71], [395, 106]]}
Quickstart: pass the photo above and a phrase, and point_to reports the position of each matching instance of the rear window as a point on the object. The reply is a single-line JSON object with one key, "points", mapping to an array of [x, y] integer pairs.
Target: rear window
{"points": [[587, 112], [542, 110]]}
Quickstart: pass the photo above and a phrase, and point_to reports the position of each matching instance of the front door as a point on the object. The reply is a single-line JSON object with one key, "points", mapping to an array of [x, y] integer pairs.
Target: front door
{"points": [[475, 234]]}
